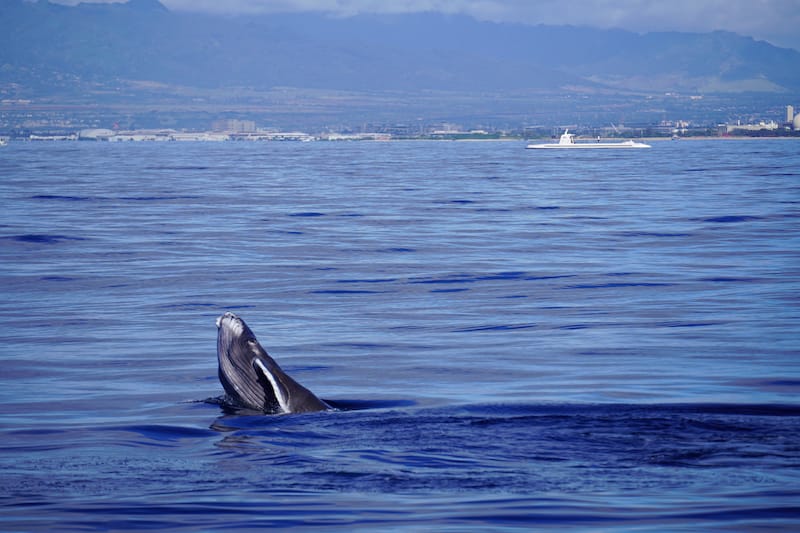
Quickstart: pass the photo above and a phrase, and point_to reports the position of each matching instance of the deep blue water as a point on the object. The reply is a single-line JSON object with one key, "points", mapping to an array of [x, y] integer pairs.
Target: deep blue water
{"points": [[599, 341]]}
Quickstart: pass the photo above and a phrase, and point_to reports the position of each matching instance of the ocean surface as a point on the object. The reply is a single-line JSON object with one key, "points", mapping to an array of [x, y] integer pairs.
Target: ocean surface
{"points": [[516, 339]]}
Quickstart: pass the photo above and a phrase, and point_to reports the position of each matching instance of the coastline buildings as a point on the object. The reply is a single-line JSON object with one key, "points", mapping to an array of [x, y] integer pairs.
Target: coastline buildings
{"points": [[756, 123], [792, 123], [761, 126]]}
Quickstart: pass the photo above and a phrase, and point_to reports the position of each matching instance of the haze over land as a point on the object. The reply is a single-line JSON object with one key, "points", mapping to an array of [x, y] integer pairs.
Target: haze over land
{"points": [[775, 21], [379, 66]]}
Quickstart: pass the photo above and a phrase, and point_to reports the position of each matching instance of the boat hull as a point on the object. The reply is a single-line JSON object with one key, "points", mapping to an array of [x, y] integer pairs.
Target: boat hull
{"points": [[587, 146]]}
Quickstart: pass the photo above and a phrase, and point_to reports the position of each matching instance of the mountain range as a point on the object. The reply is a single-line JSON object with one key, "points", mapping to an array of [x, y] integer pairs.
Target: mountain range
{"points": [[48, 49]]}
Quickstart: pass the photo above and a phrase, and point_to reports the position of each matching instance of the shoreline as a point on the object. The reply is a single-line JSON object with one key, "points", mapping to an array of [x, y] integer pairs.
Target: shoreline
{"points": [[214, 137]]}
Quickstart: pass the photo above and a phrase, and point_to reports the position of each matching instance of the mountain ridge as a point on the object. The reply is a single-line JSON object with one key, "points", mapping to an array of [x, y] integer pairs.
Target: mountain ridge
{"points": [[143, 40]]}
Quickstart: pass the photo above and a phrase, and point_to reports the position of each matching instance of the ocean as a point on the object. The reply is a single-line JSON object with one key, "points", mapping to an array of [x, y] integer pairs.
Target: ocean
{"points": [[516, 339]]}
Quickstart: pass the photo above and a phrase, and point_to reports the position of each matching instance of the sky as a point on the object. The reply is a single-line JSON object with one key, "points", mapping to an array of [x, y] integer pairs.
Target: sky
{"points": [[775, 21]]}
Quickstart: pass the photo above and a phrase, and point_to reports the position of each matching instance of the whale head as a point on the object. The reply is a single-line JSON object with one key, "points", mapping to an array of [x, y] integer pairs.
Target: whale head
{"points": [[251, 378]]}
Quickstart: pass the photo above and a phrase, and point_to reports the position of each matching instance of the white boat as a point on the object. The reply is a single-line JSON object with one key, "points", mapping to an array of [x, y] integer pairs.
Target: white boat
{"points": [[567, 141], [3, 142]]}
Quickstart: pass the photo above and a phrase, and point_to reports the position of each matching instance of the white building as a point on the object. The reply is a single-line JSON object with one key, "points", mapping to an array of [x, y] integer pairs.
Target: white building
{"points": [[199, 136], [767, 126], [233, 125], [95, 134]]}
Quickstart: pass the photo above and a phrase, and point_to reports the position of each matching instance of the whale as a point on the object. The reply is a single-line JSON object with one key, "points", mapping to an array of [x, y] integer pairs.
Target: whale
{"points": [[252, 379]]}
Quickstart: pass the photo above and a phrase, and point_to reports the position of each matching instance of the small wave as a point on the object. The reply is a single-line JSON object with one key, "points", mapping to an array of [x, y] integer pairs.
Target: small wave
{"points": [[65, 198], [686, 324], [164, 433], [42, 238], [177, 167], [343, 291], [501, 276], [653, 234], [543, 278], [399, 250], [155, 198], [462, 202], [616, 285], [470, 278], [57, 278], [378, 280], [770, 384], [475, 278], [363, 405], [496, 327], [730, 219], [189, 305], [726, 279], [443, 291]]}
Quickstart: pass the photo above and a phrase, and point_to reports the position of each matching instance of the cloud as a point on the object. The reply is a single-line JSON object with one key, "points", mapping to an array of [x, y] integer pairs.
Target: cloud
{"points": [[777, 21]]}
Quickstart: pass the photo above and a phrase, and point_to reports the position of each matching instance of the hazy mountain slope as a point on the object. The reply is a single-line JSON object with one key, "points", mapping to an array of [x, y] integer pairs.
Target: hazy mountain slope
{"points": [[45, 46]]}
